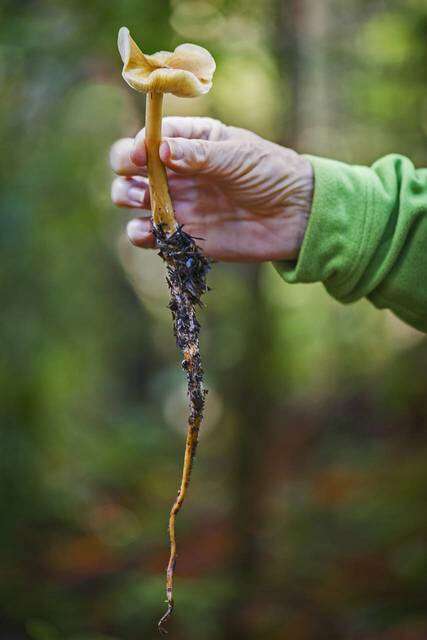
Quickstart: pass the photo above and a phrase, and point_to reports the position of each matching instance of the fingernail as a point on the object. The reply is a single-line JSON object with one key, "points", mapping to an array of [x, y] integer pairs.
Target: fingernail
{"points": [[165, 151], [137, 195], [176, 150], [137, 230], [138, 155]]}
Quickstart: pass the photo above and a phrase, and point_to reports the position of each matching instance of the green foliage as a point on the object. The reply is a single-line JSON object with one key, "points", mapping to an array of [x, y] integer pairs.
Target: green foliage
{"points": [[306, 517]]}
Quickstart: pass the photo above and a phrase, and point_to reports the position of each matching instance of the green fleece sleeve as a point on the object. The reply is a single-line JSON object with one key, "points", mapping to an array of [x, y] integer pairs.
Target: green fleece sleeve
{"points": [[367, 236]]}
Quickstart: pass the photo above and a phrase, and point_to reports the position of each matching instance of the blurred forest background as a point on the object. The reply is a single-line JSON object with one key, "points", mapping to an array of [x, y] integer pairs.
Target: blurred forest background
{"points": [[307, 516]]}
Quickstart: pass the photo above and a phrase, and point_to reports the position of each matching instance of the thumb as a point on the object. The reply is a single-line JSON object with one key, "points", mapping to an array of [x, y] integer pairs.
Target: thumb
{"points": [[198, 156]]}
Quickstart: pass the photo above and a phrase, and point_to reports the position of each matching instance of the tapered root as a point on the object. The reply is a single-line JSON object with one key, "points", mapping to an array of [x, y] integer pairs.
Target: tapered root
{"points": [[186, 269], [190, 451]]}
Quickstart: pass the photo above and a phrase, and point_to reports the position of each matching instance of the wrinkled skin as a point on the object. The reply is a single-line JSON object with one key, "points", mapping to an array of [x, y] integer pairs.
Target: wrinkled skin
{"points": [[247, 199]]}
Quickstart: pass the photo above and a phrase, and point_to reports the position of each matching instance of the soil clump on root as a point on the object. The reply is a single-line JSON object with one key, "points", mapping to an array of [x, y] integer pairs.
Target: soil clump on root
{"points": [[187, 270]]}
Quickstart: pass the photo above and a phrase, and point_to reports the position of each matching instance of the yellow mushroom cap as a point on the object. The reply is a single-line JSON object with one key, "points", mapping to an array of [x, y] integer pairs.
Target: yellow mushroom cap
{"points": [[186, 72]]}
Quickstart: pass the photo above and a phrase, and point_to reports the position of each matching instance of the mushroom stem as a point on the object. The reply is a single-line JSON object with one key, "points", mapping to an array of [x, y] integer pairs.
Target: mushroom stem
{"points": [[161, 203], [187, 269]]}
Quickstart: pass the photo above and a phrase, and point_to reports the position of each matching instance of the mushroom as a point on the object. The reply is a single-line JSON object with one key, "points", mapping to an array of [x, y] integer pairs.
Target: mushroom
{"points": [[187, 72]]}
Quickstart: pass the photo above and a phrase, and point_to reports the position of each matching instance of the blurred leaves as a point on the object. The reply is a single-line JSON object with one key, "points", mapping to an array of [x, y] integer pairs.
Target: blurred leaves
{"points": [[306, 517]]}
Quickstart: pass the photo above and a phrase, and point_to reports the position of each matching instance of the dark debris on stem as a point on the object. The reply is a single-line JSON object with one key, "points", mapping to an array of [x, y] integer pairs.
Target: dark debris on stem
{"points": [[187, 269]]}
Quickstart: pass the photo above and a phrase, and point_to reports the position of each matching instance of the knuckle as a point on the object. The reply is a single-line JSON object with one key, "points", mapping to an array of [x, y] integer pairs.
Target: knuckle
{"points": [[245, 147], [219, 131], [114, 150], [211, 128], [249, 152], [119, 152], [138, 141], [200, 154], [140, 137], [118, 188], [171, 126]]}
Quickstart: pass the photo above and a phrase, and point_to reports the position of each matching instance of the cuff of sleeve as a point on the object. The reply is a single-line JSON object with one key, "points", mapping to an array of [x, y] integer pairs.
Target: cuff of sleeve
{"points": [[333, 249]]}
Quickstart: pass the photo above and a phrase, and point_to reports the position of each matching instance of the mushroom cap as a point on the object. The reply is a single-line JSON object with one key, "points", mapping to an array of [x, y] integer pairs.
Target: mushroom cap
{"points": [[186, 72]]}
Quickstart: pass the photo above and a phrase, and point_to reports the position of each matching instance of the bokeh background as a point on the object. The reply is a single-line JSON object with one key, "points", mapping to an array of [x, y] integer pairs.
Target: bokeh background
{"points": [[307, 515]]}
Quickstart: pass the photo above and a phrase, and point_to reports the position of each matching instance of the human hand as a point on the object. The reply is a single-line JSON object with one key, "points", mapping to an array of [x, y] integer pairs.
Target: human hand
{"points": [[243, 198]]}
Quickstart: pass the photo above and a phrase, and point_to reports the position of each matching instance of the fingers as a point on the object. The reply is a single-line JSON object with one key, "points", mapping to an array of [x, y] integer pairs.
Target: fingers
{"points": [[140, 233], [182, 127], [194, 128], [120, 159], [134, 192], [130, 192], [213, 243], [128, 157], [215, 159]]}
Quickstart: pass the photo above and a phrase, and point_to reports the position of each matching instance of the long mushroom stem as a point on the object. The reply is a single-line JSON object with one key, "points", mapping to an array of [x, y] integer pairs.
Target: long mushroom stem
{"points": [[187, 269], [161, 203]]}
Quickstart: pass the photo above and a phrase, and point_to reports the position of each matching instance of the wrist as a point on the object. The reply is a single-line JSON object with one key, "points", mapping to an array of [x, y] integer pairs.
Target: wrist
{"points": [[300, 203]]}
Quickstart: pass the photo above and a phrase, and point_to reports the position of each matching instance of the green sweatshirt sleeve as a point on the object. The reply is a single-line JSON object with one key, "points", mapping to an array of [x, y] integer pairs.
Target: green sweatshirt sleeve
{"points": [[367, 236]]}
